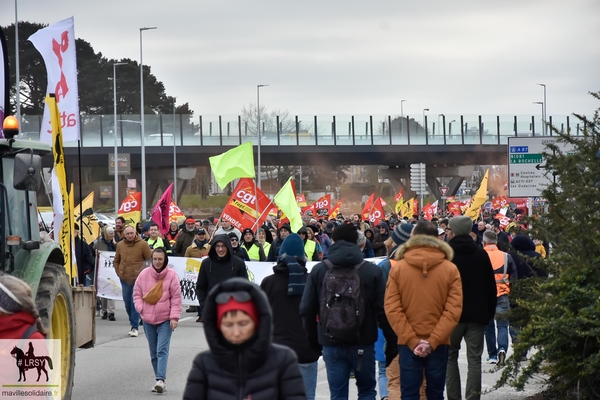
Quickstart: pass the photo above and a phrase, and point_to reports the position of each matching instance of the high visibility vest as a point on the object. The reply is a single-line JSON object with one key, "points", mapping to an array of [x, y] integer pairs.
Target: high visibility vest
{"points": [[253, 252], [499, 261], [309, 248], [266, 248], [157, 243]]}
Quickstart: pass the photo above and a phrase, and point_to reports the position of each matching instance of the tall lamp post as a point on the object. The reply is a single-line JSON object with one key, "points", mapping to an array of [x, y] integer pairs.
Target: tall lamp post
{"points": [[544, 115], [402, 108], [424, 124], [174, 154], [17, 77], [542, 104], [116, 157], [258, 125], [143, 144]]}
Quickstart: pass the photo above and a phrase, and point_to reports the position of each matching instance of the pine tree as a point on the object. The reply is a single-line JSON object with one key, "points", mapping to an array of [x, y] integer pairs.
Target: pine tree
{"points": [[560, 315]]}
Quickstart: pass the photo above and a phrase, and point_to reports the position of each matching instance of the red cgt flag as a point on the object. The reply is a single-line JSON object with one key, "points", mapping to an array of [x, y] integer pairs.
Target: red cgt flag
{"points": [[376, 215], [368, 205], [322, 206], [399, 196], [336, 209], [247, 207]]}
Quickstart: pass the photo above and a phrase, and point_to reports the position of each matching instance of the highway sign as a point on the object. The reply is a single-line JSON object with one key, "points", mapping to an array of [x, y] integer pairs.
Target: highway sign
{"points": [[526, 165]]}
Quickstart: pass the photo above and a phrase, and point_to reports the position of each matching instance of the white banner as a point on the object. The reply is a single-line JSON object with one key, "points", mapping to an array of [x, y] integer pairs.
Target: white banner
{"points": [[109, 284], [56, 44]]}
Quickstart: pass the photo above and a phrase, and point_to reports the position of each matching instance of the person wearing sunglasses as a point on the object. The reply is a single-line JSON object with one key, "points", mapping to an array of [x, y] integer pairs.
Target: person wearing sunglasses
{"points": [[242, 362], [238, 250], [221, 264]]}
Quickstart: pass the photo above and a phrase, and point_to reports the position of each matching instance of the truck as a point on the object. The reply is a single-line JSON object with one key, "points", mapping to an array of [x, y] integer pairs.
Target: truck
{"points": [[67, 312]]}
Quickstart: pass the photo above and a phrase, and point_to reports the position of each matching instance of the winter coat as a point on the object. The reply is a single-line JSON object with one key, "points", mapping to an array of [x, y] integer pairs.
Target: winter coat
{"points": [[214, 269], [343, 254], [378, 242], [101, 244], [184, 240], [287, 322], [256, 369], [478, 281], [274, 250], [129, 258], [423, 298], [85, 260], [168, 308], [524, 255], [13, 326], [368, 250], [198, 250], [240, 252]]}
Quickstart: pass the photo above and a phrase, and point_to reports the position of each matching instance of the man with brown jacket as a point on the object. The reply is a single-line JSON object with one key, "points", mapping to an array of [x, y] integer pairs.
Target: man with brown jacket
{"points": [[423, 304], [130, 257]]}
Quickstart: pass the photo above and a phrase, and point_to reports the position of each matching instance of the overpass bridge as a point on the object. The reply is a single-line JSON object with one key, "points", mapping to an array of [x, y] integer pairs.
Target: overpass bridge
{"points": [[450, 145]]}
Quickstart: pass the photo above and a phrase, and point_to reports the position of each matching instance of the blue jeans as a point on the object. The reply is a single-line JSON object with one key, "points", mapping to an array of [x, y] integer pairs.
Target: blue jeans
{"points": [[309, 373], [502, 306], [382, 379], [159, 339], [411, 373], [134, 316], [340, 361]]}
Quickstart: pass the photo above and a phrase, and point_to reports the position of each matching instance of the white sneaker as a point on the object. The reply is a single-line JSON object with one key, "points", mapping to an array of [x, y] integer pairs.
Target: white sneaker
{"points": [[133, 332], [160, 386]]}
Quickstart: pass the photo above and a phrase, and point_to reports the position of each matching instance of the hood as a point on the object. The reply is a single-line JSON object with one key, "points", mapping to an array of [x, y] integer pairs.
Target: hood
{"points": [[282, 265], [522, 243], [372, 233], [434, 252], [387, 228], [14, 321], [255, 349], [212, 253], [344, 254], [463, 244]]}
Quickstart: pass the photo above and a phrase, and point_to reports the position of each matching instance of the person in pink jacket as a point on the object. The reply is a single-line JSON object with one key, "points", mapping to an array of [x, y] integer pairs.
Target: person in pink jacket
{"points": [[160, 317]]}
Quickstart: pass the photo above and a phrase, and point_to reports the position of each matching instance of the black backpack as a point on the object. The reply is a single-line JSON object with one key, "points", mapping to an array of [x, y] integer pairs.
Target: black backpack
{"points": [[342, 301]]}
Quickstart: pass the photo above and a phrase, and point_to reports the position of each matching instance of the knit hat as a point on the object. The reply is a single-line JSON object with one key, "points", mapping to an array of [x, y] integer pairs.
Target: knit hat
{"points": [[347, 232], [286, 227], [190, 220], [461, 225], [9, 303], [329, 227], [247, 230], [247, 307], [292, 246], [401, 233]]}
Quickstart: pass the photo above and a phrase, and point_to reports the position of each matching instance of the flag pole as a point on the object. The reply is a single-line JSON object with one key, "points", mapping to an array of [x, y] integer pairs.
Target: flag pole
{"points": [[263, 213]]}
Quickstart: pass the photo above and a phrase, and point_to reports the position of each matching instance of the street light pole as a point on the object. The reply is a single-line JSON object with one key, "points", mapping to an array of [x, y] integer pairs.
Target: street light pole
{"points": [[424, 125], [544, 115], [174, 154], [543, 125], [116, 155], [143, 144], [402, 108], [17, 77], [258, 126]]}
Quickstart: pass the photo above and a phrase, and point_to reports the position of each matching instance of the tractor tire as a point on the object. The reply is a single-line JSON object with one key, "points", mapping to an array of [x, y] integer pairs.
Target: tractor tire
{"points": [[54, 301]]}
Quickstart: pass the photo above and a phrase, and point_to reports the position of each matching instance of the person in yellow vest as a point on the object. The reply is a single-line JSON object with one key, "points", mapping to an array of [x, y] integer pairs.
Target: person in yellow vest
{"points": [[253, 247], [310, 246], [262, 239], [505, 271], [155, 241]]}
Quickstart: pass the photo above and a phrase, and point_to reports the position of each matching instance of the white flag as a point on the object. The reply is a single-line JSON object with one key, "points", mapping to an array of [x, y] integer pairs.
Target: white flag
{"points": [[56, 44], [434, 207]]}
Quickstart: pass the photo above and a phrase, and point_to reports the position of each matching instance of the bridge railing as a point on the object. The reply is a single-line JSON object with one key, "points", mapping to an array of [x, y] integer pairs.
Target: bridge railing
{"points": [[306, 130]]}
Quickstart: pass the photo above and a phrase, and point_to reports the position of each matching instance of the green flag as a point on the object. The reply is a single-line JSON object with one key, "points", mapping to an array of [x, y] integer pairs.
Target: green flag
{"points": [[233, 164], [285, 199]]}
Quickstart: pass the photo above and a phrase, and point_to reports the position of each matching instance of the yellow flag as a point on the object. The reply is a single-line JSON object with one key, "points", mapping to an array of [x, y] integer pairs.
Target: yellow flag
{"points": [[63, 218], [72, 230], [398, 208], [88, 224], [407, 208], [233, 164], [479, 199], [285, 199]]}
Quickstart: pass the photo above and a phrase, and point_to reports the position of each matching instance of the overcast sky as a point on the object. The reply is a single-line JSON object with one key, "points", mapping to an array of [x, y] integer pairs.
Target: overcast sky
{"points": [[351, 57]]}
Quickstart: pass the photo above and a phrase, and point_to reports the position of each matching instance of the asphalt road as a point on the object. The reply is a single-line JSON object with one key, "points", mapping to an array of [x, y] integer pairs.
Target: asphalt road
{"points": [[118, 367]]}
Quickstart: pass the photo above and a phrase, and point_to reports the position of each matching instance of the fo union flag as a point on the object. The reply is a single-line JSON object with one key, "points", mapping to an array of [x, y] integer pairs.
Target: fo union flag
{"points": [[247, 207], [56, 44]]}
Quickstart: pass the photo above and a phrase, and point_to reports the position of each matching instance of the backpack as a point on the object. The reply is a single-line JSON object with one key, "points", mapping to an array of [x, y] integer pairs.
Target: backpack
{"points": [[342, 303]]}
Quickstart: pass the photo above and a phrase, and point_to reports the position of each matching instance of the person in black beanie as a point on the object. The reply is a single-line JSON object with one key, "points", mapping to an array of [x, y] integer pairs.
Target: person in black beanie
{"points": [[359, 355], [284, 290], [282, 233]]}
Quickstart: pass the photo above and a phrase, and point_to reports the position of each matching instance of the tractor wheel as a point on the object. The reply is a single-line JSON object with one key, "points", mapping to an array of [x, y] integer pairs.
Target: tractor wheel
{"points": [[55, 304]]}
